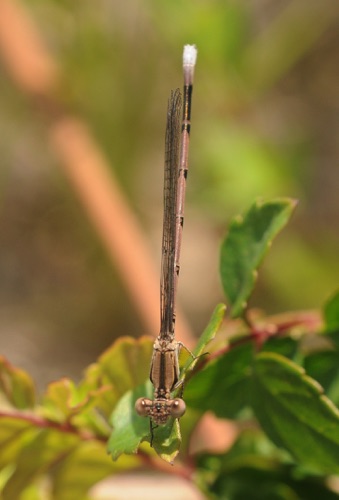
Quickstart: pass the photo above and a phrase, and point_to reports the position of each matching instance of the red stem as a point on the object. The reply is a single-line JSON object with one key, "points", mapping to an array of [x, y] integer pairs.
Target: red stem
{"points": [[41, 422]]}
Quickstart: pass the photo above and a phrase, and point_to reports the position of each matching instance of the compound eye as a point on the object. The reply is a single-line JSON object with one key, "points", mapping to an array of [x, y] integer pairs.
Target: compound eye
{"points": [[178, 408], [141, 407]]}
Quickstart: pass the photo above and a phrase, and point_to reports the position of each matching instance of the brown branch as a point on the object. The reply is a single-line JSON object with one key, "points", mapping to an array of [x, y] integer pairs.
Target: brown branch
{"points": [[66, 427], [274, 326], [43, 423]]}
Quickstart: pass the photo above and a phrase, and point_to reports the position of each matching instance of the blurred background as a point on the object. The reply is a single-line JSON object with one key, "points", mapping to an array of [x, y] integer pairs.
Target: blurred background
{"points": [[264, 124]]}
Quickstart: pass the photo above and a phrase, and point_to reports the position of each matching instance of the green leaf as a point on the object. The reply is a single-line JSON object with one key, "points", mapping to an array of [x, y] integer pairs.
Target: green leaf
{"points": [[331, 312], [206, 337], [255, 469], [35, 491], [14, 433], [211, 329], [286, 346], [37, 456], [126, 363], [129, 429], [60, 400], [84, 467], [295, 414], [118, 370], [245, 245], [96, 382], [16, 385], [224, 385], [29, 453], [63, 402], [167, 440], [323, 365], [261, 479]]}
